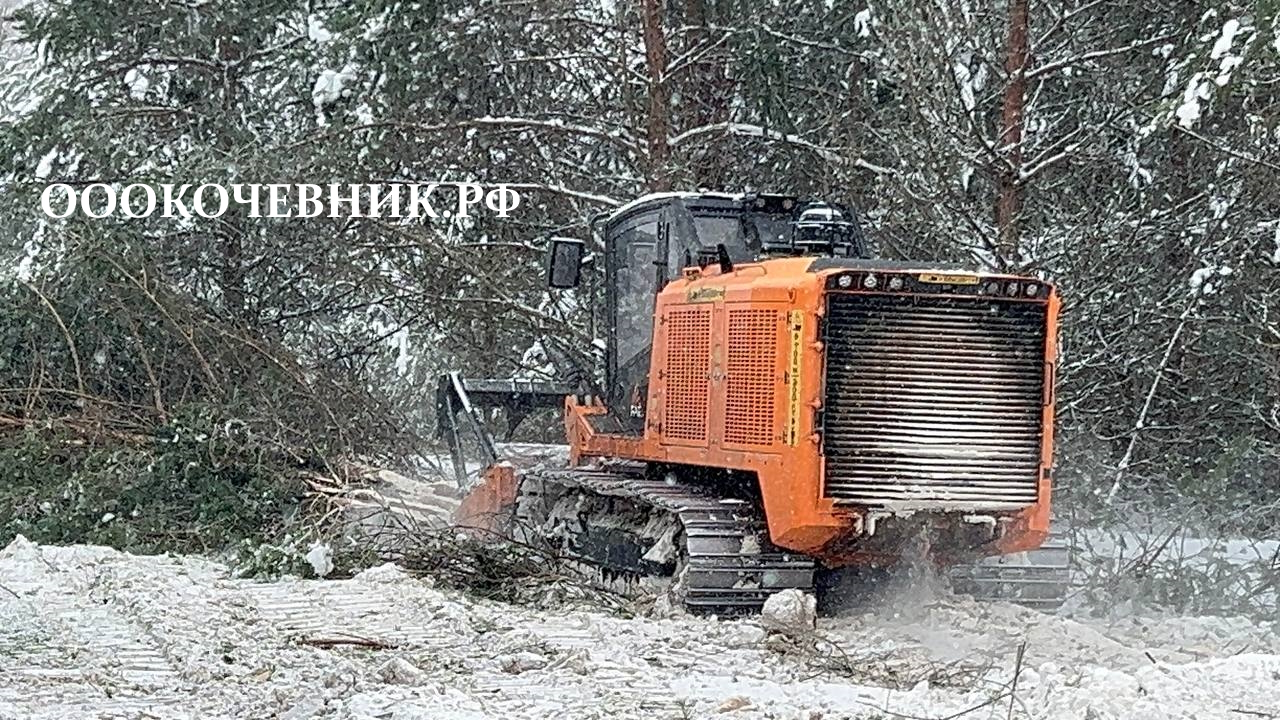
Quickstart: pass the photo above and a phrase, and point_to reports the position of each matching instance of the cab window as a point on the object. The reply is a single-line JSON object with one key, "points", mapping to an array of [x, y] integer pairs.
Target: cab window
{"points": [[634, 250], [692, 236]]}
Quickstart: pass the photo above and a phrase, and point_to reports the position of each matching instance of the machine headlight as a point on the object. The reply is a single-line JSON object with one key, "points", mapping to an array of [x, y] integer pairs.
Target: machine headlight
{"points": [[992, 288], [1031, 289], [870, 282], [895, 282], [844, 281], [1011, 289]]}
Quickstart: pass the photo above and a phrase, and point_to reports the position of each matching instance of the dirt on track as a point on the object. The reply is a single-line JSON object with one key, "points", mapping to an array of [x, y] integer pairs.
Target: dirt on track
{"points": [[88, 632]]}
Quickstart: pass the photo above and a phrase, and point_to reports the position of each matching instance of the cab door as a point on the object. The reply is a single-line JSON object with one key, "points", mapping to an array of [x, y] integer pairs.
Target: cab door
{"points": [[634, 246]]}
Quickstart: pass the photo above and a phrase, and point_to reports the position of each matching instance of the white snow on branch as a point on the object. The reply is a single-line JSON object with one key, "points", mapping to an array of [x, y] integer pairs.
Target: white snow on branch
{"points": [[613, 135], [331, 86], [316, 31], [862, 22], [1139, 176], [45, 168], [1052, 67], [375, 26], [137, 83], [320, 558], [748, 130], [1228, 36], [1202, 279], [969, 82], [26, 267], [1188, 113], [567, 192], [1222, 50]]}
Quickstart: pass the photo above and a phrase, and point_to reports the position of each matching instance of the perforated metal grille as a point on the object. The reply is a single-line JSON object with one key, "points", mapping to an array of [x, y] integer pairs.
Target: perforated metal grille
{"points": [[750, 394], [688, 369]]}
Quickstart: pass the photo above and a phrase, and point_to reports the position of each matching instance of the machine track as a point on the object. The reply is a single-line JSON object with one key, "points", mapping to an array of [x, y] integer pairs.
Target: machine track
{"points": [[659, 535], [712, 553], [1039, 578]]}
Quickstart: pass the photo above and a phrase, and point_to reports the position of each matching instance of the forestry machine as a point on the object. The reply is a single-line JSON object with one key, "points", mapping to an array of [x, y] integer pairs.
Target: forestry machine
{"points": [[777, 405]]}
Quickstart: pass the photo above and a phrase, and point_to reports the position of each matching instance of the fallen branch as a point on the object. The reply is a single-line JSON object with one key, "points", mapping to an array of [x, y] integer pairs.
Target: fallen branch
{"points": [[1009, 690], [352, 640]]}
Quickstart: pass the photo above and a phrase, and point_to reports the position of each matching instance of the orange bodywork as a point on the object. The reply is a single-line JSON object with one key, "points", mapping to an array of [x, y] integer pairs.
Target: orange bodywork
{"points": [[485, 508], [781, 445]]}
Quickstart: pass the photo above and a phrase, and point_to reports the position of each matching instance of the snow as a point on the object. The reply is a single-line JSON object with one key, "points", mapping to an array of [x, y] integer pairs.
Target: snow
{"points": [[45, 167], [1222, 51], [88, 632], [862, 22], [404, 352], [965, 81], [1200, 279], [26, 267], [535, 363], [316, 31], [1236, 550], [331, 86], [1188, 113], [375, 26], [1223, 44], [137, 83], [320, 558], [1139, 177]]}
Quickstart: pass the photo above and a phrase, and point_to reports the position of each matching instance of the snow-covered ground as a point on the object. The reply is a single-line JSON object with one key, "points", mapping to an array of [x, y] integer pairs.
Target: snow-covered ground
{"points": [[89, 632]]}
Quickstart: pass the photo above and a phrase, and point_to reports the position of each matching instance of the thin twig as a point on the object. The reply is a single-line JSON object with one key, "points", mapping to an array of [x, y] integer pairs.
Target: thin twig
{"points": [[71, 344], [1226, 150], [1147, 403], [1017, 672]]}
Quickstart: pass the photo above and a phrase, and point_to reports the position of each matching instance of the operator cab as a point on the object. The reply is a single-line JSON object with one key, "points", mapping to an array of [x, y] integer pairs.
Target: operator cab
{"points": [[649, 242]]}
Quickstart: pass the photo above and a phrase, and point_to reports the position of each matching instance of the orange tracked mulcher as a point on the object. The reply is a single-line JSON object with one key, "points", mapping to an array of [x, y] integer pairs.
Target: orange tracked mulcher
{"points": [[775, 403]]}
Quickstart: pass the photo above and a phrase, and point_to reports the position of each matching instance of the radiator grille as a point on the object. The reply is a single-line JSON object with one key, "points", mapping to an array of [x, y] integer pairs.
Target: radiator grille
{"points": [[688, 370], [933, 400], [751, 392]]}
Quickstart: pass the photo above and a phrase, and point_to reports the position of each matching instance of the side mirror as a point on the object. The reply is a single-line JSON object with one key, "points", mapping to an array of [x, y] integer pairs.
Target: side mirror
{"points": [[564, 263]]}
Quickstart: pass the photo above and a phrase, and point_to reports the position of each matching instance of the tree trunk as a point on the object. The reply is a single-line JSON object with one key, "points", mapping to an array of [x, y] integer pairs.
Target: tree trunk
{"points": [[659, 125], [233, 282], [705, 92], [1009, 194]]}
